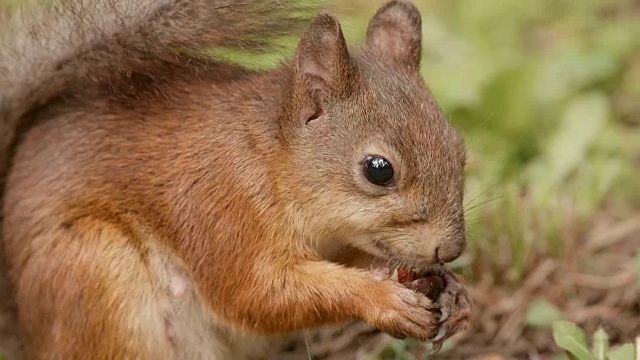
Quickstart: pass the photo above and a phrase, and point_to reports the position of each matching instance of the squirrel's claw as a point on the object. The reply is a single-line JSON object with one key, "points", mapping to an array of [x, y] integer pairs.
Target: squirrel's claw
{"points": [[444, 329], [435, 348], [445, 312], [455, 308]]}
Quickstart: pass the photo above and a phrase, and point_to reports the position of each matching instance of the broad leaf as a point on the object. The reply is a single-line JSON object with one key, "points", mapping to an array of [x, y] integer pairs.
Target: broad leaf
{"points": [[624, 352], [600, 344], [542, 313], [571, 338]]}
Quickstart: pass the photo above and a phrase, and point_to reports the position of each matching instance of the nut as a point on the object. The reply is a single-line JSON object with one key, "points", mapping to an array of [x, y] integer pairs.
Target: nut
{"points": [[431, 286]]}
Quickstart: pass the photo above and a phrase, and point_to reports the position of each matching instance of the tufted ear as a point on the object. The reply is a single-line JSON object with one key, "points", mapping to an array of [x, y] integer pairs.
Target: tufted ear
{"points": [[395, 34], [322, 66]]}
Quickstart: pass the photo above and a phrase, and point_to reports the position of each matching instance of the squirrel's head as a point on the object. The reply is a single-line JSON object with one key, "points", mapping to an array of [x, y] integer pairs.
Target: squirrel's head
{"points": [[377, 163]]}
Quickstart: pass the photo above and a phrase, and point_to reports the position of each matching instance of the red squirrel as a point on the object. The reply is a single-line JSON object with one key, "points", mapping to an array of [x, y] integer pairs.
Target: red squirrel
{"points": [[160, 203]]}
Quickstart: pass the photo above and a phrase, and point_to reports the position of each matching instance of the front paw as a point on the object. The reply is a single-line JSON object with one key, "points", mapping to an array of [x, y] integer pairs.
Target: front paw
{"points": [[403, 313], [455, 307], [449, 296]]}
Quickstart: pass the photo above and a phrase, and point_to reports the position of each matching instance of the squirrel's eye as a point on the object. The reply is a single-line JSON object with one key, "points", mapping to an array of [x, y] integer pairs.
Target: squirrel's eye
{"points": [[378, 170]]}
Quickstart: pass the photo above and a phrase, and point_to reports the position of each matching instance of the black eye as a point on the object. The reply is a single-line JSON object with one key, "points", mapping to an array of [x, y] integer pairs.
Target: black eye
{"points": [[378, 170]]}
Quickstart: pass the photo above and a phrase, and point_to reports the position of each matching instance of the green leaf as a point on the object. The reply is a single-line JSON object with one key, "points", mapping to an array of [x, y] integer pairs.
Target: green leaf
{"points": [[566, 74], [582, 123], [542, 313], [600, 344], [571, 338], [624, 352]]}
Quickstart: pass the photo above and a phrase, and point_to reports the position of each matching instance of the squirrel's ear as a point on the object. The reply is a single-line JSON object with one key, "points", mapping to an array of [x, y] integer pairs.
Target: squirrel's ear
{"points": [[395, 33], [322, 65]]}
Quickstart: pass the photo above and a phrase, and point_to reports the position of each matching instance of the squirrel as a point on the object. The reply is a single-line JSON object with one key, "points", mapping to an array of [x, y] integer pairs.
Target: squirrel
{"points": [[160, 202]]}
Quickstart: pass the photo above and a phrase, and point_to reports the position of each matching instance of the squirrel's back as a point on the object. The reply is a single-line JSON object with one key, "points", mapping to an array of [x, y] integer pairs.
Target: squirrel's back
{"points": [[62, 49]]}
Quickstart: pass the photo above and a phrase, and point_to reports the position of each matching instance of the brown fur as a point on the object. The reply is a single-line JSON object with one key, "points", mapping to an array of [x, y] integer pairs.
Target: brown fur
{"points": [[161, 205]]}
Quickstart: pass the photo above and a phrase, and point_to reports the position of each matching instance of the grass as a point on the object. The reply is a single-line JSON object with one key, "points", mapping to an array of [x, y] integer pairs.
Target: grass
{"points": [[573, 341]]}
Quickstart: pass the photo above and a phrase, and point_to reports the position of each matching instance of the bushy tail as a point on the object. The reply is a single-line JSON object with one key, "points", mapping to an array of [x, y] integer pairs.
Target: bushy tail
{"points": [[49, 49]]}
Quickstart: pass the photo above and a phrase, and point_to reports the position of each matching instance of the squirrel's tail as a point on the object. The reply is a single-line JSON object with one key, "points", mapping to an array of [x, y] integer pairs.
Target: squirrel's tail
{"points": [[67, 44]]}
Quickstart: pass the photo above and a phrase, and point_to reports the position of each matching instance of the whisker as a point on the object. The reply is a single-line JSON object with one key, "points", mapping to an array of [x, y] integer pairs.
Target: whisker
{"points": [[484, 202], [479, 195]]}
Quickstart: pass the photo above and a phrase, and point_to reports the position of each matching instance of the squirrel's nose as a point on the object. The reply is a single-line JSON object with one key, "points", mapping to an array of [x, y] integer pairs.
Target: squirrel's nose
{"points": [[440, 246], [450, 250], [446, 254]]}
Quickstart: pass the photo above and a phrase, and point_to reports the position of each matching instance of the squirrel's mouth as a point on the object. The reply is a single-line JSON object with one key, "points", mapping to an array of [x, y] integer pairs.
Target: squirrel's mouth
{"points": [[395, 260], [380, 257]]}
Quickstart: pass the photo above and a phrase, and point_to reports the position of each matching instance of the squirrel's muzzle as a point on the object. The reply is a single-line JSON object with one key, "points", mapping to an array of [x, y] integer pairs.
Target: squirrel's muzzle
{"points": [[439, 246]]}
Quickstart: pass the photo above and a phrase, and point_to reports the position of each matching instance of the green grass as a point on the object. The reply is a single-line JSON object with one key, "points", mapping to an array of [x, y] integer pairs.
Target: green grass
{"points": [[573, 341]]}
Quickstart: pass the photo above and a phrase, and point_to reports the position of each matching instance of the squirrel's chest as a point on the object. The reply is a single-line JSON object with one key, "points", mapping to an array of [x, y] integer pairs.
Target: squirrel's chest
{"points": [[192, 331]]}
